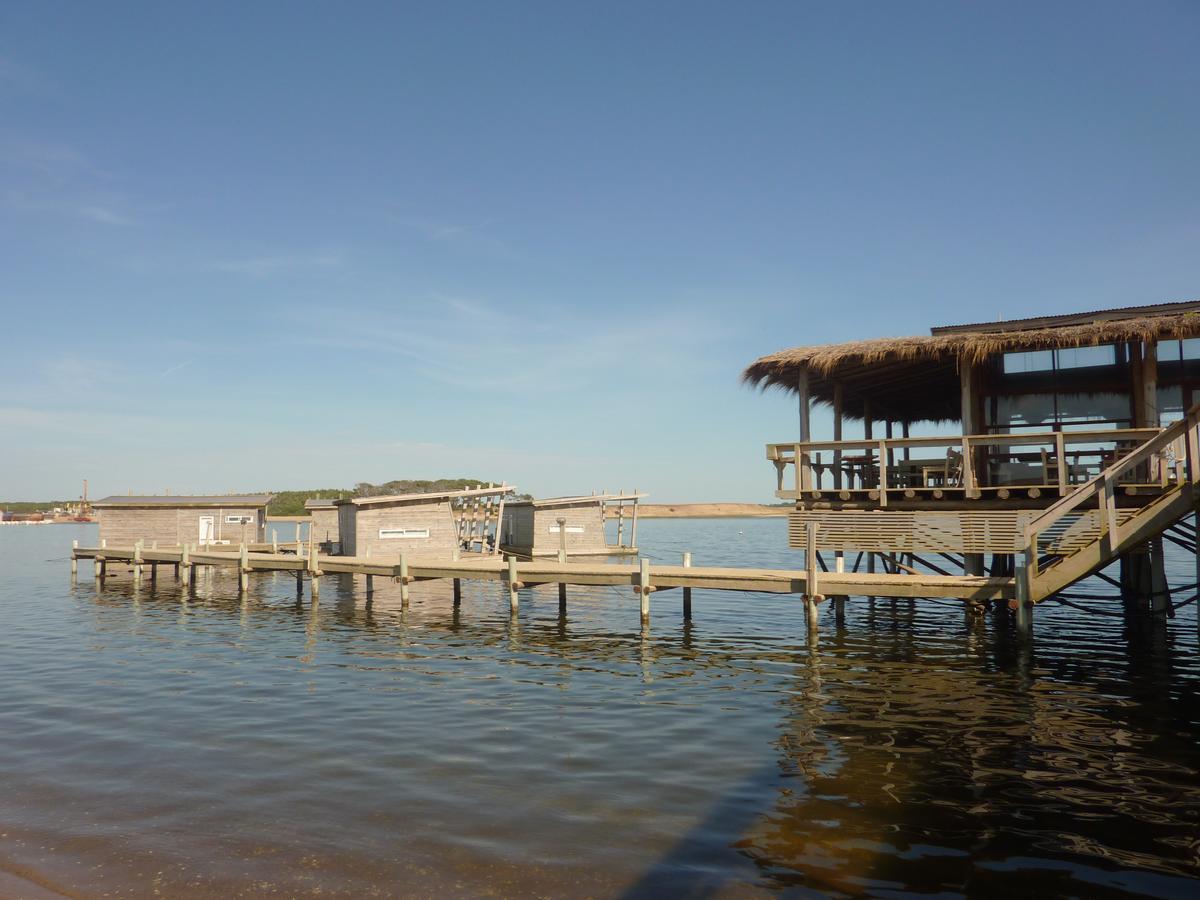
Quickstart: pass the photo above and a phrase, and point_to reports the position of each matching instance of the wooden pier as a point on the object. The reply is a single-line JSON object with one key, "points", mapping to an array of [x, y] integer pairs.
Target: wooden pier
{"points": [[643, 579]]}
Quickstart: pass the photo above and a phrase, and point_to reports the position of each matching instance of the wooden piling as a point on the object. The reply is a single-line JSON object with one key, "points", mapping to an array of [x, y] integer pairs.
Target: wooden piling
{"points": [[74, 560], [562, 558], [185, 569], [403, 580], [1023, 601], [370, 585], [687, 591], [810, 576], [243, 569], [137, 561], [644, 588], [457, 591], [513, 584], [633, 522]]}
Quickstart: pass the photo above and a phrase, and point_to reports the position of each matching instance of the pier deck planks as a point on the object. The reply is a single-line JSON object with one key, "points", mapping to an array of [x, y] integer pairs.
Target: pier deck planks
{"points": [[530, 573]]}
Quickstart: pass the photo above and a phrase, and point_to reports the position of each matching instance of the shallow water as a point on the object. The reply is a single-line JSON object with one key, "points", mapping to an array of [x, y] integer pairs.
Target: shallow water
{"points": [[206, 746]]}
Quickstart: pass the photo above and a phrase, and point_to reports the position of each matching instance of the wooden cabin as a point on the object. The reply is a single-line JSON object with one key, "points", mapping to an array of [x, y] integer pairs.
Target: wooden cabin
{"points": [[229, 519], [575, 525], [1013, 416], [323, 522], [436, 524]]}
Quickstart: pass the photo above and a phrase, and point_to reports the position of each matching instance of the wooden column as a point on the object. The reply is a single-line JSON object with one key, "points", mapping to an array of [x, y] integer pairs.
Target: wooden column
{"points": [[804, 400], [403, 580], [810, 577], [837, 436]]}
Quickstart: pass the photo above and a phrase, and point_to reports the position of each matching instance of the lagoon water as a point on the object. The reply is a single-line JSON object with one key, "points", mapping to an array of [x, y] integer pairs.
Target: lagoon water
{"points": [[158, 744]]}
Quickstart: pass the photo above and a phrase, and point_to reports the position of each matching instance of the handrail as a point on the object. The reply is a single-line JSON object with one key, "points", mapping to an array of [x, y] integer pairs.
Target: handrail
{"points": [[1062, 445], [1017, 440], [1090, 488]]}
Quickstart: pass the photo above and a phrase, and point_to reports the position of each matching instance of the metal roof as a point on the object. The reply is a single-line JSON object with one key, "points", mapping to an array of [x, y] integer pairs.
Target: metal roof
{"points": [[219, 502], [432, 495], [576, 501], [320, 502], [1080, 318]]}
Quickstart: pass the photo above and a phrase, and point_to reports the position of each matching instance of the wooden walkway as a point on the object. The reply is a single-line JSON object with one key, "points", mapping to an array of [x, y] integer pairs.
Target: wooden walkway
{"points": [[643, 579]]}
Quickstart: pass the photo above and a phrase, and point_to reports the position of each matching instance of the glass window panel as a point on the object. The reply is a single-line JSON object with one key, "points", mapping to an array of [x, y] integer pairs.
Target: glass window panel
{"points": [[1170, 404], [1112, 408], [1034, 361], [1024, 410], [1084, 357], [1190, 348]]}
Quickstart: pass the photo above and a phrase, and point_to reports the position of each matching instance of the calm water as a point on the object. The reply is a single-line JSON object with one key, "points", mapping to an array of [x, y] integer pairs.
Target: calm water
{"points": [[152, 744]]}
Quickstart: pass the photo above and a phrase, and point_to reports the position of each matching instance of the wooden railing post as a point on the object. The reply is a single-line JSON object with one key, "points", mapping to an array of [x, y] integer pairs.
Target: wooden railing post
{"points": [[883, 473], [1060, 454], [803, 471], [968, 468]]}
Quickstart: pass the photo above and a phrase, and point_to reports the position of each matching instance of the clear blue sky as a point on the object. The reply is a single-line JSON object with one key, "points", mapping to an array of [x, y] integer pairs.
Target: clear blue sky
{"points": [[284, 245]]}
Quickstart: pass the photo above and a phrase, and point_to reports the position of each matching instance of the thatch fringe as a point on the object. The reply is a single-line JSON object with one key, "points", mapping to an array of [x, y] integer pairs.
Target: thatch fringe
{"points": [[782, 368]]}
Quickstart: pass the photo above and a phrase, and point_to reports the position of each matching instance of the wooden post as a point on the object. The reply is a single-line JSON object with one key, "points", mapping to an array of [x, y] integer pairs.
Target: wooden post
{"points": [[810, 576], [513, 585], [687, 591], [274, 540], [185, 565], [74, 559], [562, 540], [1160, 596], [644, 588], [314, 573], [1060, 454], [243, 569], [883, 473], [804, 400], [620, 524], [1024, 601], [457, 591], [499, 522], [633, 523], [137, 560], [403, 580], [370, 585], [562, 597], [837, 435]]}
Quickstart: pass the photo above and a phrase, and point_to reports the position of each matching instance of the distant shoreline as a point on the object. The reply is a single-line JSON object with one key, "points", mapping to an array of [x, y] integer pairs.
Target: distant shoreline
{"points": [[704, 511]]}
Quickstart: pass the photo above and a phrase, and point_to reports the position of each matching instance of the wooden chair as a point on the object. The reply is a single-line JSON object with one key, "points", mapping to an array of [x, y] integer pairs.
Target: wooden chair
{"points": [[948, 474]]}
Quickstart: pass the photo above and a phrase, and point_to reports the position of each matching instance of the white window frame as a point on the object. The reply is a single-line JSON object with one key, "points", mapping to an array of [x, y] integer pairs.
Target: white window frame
{"points": [[571, 529], [239, 520], [391, 534]]}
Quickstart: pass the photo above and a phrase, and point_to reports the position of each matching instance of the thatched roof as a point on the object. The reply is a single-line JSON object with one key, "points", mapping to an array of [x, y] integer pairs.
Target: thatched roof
{"points": [[916, 378]]}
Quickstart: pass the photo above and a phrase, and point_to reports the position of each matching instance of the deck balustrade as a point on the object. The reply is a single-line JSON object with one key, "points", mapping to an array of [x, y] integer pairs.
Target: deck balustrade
{"points": [[970, 467]]}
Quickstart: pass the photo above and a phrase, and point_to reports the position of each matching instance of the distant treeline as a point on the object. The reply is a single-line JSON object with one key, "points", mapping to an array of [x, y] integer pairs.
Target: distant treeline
{"points": [[291, 503]]}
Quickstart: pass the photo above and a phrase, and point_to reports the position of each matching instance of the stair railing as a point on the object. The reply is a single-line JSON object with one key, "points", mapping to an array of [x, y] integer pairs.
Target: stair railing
{"points": [[1181, 438]]}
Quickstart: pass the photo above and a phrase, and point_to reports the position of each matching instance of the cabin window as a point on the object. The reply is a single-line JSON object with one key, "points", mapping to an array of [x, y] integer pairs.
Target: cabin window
{"points": [[388, 534], [239, 520], [1032, 361], [571, 529]]}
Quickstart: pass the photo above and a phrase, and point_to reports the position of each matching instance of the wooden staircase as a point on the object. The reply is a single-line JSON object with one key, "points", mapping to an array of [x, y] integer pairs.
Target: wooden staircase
{"points": [[1052, 562]]}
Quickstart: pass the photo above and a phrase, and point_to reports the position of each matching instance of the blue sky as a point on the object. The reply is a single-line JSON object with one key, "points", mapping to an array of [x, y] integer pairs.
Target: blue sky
{"points": [[271, 246]]}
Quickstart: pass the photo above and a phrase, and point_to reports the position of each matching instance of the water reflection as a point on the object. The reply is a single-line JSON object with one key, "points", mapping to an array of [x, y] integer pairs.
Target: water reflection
{"points": [[348, 747]]}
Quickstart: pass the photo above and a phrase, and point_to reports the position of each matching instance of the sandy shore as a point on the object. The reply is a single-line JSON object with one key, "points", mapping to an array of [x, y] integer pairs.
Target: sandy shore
{"points": [[703, 510]]}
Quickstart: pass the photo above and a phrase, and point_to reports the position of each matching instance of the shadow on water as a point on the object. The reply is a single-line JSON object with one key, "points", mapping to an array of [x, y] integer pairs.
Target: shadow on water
{"points": [[912, 751]]}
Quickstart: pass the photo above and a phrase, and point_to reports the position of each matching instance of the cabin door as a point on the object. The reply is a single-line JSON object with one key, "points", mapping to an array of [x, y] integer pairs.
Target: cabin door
{"points": [[207, 529]]}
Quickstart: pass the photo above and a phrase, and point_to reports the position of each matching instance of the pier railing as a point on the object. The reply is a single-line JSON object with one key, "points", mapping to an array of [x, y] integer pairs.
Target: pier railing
{"points": [[1174, 451], [972, 466]]}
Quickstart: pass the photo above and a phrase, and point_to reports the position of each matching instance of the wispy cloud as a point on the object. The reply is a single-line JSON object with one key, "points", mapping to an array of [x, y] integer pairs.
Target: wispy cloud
{"points": [[170, 370], [544, 351], [268, 266], [104, 215]]}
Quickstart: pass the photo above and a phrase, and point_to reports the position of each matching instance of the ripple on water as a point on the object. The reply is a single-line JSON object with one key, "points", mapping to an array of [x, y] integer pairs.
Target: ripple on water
{"points": [[208, 746]]}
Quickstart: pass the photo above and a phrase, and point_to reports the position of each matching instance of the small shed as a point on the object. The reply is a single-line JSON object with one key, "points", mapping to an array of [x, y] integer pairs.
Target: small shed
{"points": [[228, 519], [576, 524], [438, 524], [323, 524]]}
